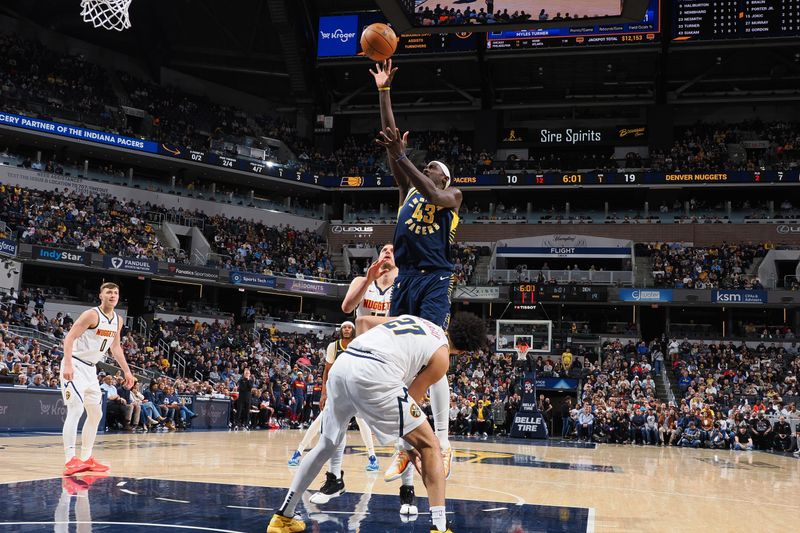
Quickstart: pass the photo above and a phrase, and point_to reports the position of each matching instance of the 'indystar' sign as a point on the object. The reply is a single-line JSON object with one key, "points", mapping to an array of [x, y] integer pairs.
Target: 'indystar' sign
{"points": [[41, 253]]}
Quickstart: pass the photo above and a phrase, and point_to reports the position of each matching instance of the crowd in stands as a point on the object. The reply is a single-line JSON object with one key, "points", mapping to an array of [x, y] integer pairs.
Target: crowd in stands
{"points": [[704, 147], [255, 247], [729, 397], [722, 267], [107, 225], [444, 16], [44, 82], [89, 223], [34, 78]]}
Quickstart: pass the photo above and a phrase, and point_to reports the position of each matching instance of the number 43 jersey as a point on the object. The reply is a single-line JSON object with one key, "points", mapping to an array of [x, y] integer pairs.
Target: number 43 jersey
{"points": [[93, 343], [423, 235], [404, 345]]}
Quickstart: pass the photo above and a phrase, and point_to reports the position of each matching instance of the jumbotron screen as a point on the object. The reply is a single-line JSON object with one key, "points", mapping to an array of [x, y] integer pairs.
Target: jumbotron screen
{"points": [[339, 36], [645, 31], [736, 19]]}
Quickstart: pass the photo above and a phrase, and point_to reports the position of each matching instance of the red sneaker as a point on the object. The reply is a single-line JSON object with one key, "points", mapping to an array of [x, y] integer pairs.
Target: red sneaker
{"points": [[74, 485], [74, 466], [92, 478], [94, 466]]}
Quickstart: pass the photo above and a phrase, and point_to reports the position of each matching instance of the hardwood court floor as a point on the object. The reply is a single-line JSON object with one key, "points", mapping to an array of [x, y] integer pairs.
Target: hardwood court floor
{"points": [[230, 481]]}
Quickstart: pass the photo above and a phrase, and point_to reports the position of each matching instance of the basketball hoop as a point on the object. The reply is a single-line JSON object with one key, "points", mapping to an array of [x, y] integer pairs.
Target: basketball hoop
{"points": [[108, 14], [522, 352]]}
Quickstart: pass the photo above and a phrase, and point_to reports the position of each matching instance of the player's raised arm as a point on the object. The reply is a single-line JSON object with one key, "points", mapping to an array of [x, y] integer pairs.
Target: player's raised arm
{"points": [[87, 320], [119, 357], [358, 287], [395, 146], [384, 75]]}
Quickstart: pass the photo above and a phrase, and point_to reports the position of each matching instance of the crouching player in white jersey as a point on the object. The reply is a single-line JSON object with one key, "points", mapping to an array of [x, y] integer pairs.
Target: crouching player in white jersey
{"points": [[95, 332], [368, 295], [381, 376], [334, 479]]}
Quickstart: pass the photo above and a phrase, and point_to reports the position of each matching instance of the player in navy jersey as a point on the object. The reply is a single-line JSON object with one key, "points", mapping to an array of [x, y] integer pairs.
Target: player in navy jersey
{"points": [[427, 219]]}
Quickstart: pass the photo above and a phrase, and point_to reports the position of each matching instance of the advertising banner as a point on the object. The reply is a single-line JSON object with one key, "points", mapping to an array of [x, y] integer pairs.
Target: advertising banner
{"points": [[33, 409], [739, 297], [76, 132], [191, 272], [528, 421], [338, 36], [465, 292], [645, 295], [8, 247], [130, 264], [556, 383], [211, 413], [252, 278], [74, 257]]}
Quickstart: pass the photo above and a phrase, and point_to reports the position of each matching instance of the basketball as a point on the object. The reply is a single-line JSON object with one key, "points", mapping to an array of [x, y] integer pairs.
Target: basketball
{"points": [[378, 41]]}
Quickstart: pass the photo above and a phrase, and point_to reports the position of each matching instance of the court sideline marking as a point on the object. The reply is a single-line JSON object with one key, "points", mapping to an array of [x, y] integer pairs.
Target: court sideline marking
{"points": [[95, 523]]}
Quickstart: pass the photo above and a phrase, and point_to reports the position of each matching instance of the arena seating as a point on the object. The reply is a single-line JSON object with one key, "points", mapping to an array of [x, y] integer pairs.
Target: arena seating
{"points": [[724, 267]]}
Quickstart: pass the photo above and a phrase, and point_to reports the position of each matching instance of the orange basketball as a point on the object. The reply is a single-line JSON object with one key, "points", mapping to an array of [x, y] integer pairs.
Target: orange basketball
{"points": [[378, 41]]}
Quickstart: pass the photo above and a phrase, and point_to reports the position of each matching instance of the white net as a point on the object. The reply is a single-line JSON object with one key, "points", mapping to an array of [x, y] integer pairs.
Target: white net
{"points": [[108, 14]]}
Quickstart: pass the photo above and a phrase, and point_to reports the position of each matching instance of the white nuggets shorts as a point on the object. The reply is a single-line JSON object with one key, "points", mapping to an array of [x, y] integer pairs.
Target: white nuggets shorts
{"points": [[366, 388], [83, 388]]}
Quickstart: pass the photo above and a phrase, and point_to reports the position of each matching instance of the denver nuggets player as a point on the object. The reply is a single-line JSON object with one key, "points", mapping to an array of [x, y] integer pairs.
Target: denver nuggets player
{"points": [[334, 478], [95, 332], [426, 224], [371, 295], [381, 376]]}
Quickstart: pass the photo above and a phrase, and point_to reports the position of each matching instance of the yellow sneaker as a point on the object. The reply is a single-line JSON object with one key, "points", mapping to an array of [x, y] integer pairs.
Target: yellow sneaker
{"points": [[282, 524], [400, 463], [447, 459]]}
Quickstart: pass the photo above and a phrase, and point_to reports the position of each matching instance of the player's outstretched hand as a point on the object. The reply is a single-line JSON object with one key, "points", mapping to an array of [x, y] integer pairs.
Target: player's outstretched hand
{"points": [[383, 73], [394, 143], [375, 271], [129, 381]]}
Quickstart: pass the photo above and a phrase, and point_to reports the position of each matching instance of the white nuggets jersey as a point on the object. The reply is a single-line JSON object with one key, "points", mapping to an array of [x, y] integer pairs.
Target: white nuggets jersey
{"points": [[93, 344], [375, 302], [404, 344]]}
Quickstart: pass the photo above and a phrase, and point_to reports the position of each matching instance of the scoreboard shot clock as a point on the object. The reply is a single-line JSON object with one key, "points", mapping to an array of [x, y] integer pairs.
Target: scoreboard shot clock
{"points": [[523, 296]]}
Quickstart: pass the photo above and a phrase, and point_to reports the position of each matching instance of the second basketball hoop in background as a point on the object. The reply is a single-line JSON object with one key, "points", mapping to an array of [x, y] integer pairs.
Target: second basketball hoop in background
{"points": [[107, 14]]}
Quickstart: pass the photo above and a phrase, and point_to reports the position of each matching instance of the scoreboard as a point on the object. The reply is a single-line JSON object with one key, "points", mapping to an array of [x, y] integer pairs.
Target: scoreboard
{"points": [[524, 296], [695, 20], [597, 33]]}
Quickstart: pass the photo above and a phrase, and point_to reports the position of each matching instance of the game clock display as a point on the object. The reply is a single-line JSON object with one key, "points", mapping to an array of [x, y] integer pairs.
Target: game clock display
{"points": [[524, 296]]}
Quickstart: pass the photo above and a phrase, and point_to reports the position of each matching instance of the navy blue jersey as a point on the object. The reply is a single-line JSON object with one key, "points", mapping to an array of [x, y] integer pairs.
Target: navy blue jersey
{"points": [[423, 235]]}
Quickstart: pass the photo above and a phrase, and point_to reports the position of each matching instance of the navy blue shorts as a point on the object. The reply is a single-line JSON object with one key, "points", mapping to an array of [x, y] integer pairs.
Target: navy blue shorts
{"points": [[426, 295]]}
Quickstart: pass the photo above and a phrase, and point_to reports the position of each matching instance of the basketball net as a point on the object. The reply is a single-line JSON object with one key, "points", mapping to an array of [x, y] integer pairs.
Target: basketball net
{"points": [[108, 14], [522, 352]]}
